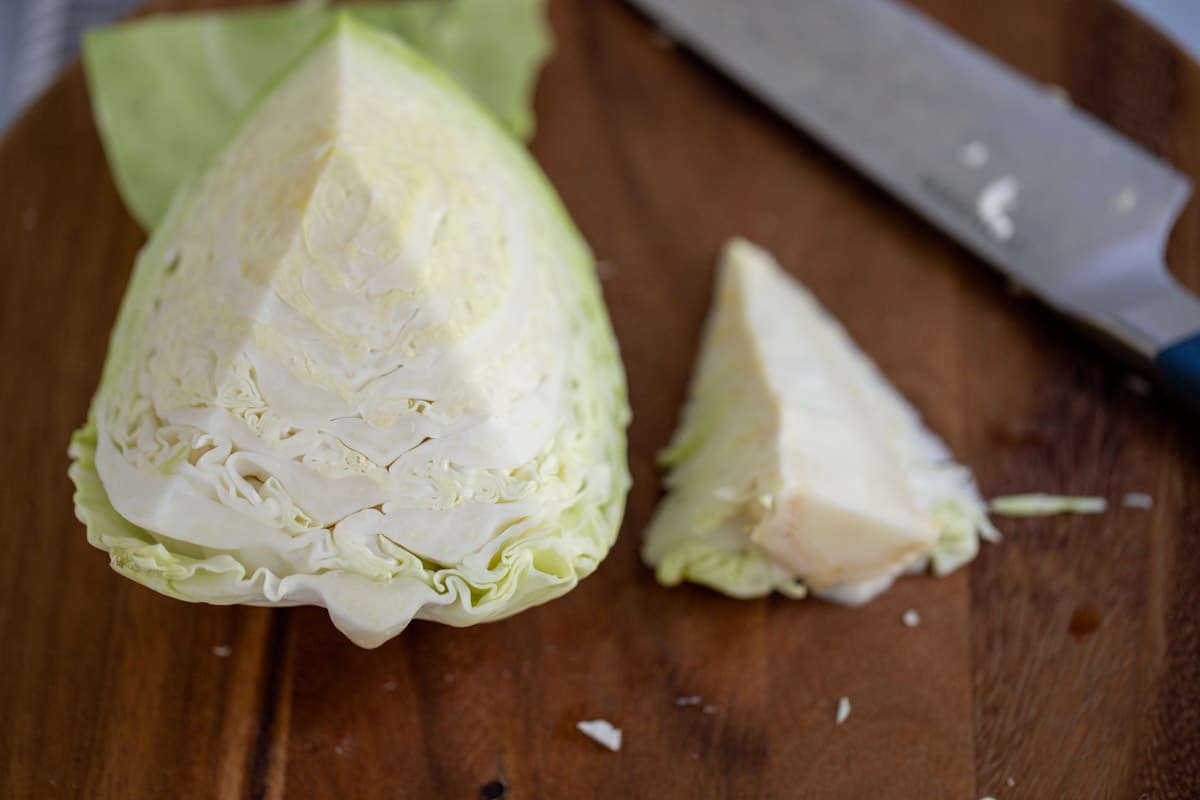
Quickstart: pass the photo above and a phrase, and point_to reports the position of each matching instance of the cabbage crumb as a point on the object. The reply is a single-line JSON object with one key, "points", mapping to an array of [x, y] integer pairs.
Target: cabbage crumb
{"points": [[1137, 500], [843, 710], [602, 732]]}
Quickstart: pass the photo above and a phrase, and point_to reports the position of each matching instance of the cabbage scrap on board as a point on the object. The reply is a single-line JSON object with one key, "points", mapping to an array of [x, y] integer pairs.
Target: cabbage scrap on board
{"points": [[363, 363], [797, 467], [169, 90]]}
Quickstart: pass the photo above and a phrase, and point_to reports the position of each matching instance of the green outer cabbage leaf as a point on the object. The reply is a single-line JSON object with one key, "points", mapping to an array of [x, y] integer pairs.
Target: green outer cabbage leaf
{"points": [[168, 91]]}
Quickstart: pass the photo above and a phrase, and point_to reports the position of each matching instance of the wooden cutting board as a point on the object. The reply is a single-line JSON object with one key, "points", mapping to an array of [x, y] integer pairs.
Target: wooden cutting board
{"points": [[1065, 663]]}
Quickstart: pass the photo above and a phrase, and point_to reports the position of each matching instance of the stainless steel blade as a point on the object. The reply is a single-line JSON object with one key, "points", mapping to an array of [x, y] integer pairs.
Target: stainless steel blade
{"points": [[1066, 206]]}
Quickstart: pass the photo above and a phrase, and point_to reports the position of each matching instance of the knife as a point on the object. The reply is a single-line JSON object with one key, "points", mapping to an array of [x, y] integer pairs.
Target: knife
{"points": [[1067, 207]]}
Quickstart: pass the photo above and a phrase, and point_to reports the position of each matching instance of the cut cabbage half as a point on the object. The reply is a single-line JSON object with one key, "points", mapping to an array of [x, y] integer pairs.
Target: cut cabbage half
{"points": [[797, 467], [364, 363]]}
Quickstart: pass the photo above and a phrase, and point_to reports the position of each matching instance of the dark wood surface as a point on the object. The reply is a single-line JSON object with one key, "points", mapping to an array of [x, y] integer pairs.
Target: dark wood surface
{"points": [[1065, 661]]}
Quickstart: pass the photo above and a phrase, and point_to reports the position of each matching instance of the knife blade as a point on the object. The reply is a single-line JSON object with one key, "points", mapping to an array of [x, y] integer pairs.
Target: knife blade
{"points": [[1066, 206]]}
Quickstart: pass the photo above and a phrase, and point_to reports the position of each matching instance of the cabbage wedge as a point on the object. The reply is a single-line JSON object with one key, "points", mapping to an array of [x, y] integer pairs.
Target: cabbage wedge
{"points": [[797, 467], [363, 363]]}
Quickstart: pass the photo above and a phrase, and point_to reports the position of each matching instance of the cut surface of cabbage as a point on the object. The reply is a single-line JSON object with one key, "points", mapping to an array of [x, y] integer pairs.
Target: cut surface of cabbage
{"points": [[797, 467], [364, 363]]}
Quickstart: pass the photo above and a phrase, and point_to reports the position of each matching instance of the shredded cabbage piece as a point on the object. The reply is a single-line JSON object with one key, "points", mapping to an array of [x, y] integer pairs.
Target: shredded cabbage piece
{"points": [[1037, 504]]}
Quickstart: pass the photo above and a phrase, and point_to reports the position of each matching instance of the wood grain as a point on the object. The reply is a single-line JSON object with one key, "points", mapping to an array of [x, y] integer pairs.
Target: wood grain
{"points": [[108, 690]]}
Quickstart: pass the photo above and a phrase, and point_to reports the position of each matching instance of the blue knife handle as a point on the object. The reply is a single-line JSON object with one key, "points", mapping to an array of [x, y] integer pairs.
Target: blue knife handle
{"points": [[1179, 365]]}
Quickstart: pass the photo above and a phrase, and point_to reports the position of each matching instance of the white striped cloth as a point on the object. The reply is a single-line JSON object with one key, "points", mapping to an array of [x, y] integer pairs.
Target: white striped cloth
{"points": [[37, 37]]}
